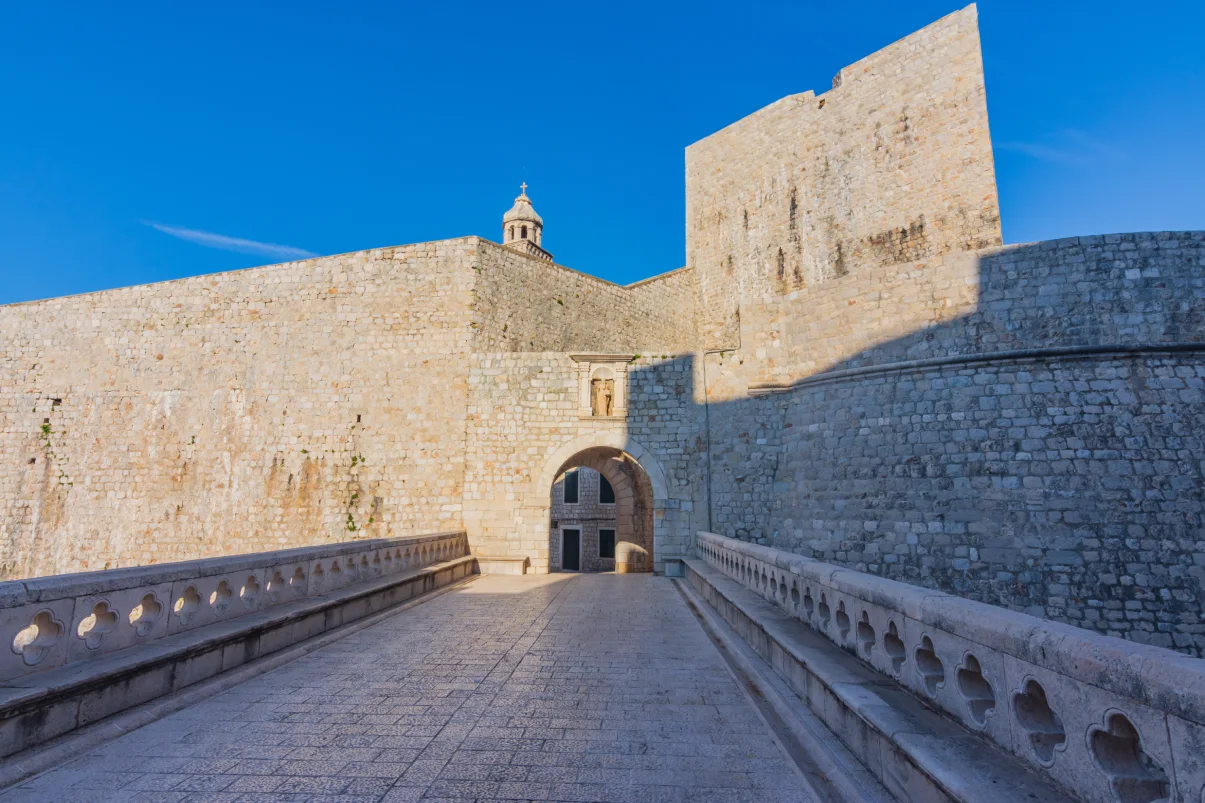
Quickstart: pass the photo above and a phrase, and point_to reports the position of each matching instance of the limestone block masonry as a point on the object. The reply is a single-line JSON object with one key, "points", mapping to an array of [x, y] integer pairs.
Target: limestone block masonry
{"points": [[851, 367], [1035, 443], [891, 165]]}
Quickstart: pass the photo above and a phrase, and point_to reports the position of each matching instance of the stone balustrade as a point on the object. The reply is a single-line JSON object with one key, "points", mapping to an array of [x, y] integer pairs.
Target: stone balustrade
{"points": [[84, 647], [52, 621], [1107, 719]]}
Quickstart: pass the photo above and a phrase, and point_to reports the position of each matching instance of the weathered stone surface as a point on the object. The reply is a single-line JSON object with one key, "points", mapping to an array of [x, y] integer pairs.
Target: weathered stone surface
{"points": [[893, 164], [593, 687], [894, 391]]}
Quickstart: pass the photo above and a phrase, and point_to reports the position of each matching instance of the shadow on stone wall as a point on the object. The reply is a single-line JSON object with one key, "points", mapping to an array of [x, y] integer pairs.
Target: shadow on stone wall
{"points": [[1043, 453]]}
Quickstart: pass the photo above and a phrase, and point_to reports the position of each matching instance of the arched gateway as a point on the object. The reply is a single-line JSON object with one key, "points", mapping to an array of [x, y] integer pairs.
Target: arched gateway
{"points": [[640, 492]]}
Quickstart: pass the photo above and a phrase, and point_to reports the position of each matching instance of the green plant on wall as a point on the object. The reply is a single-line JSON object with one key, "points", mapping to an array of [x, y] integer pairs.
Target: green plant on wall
{"points": [[49, 453]]}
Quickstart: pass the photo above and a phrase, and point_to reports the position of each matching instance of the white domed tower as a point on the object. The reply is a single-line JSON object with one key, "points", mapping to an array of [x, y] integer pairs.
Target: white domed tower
{"points": [[523, 229]]}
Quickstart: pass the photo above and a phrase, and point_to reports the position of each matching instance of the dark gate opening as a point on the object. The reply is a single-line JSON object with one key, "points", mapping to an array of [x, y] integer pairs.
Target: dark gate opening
{"points": [[571, 554]]}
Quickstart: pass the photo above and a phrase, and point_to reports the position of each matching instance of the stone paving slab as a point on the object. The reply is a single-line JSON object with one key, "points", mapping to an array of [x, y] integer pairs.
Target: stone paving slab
{"points": [[552, 687]]}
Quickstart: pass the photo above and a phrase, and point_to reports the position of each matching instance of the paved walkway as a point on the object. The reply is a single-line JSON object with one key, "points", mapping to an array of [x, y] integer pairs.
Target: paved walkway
{"points": [[558, 687]]}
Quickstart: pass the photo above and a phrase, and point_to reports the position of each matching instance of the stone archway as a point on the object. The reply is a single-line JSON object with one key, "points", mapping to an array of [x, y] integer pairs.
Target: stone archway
{"points": [[641, 494], [633, 516]]}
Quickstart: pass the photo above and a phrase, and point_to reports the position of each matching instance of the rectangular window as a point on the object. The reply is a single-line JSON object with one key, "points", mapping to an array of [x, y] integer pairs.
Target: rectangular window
{"points": [[606, 494], [606, 543], [571, 487]]}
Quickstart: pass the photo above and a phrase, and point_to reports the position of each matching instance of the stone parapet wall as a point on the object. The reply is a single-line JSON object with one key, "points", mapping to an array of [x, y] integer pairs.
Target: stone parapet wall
{"points": [[892, 165], [54, 621], [524, 304], [1105, 719]]}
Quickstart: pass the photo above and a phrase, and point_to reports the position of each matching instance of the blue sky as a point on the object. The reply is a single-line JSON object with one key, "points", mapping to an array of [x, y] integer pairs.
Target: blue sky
{"points": [[170, 139]]}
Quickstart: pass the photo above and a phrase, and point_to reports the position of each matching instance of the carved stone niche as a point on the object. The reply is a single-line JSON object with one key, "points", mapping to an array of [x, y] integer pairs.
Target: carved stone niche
{"points": [[602, 385]]}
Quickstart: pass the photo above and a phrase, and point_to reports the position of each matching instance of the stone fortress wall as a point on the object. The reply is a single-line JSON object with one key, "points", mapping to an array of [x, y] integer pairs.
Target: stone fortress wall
{"points": [[239, 412], [893, 164], [1035, 442], [852, 367], [525, 305], [313, 402]]}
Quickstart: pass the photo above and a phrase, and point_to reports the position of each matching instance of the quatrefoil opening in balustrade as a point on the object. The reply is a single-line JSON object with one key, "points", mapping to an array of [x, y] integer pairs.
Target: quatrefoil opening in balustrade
{"points": [[249, 592], [35, 641], [145, 614], [97, 625], [220, 597], [1134, 776], [1041, 723], [976, 690], [187, 605], [893, 645], [275, 585], [297, 582], [866, 636], [930, 668], [843, 622]]}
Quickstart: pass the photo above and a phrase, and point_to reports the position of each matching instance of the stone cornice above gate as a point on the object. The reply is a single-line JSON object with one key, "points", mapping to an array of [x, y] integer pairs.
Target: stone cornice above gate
{"points": [[598, 358]]}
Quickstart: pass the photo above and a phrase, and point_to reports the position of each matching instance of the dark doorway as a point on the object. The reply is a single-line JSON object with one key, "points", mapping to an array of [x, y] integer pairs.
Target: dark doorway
{"points": [[606, 544], [604, 495], [571, 550]]}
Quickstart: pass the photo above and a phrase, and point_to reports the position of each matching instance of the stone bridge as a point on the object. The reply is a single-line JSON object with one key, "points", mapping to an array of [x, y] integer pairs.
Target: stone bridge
{"points": [[392, 670]]}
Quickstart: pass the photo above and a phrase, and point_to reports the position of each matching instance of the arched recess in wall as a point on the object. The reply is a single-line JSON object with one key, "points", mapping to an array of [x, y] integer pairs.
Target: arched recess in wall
{"points": [[640, 490]]}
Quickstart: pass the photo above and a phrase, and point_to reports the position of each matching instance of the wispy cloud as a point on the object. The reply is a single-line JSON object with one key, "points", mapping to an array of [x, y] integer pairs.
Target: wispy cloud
{"points": [[225, 243], [1069, 147]]}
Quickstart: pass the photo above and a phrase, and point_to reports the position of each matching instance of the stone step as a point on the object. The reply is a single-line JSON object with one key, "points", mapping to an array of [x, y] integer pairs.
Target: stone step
{"points": [[502, 564], [916, 752]]}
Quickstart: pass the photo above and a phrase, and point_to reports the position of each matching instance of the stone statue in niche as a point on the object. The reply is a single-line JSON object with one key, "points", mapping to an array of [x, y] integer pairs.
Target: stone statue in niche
{"points": [[602, 396]]}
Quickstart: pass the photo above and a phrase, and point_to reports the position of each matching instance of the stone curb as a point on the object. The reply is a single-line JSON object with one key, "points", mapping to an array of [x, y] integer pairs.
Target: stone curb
{"points": [[832, 773]]}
